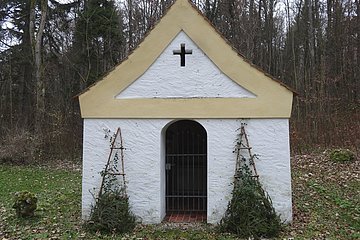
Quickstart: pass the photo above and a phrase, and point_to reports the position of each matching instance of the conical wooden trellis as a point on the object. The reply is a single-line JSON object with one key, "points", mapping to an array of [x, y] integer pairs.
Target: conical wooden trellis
{"points": [[111, 167], [244, 154]]}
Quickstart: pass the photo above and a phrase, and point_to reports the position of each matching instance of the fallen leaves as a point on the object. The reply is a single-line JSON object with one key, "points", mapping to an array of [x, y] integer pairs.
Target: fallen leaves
{"points": [[326, 197], [326, 204]]}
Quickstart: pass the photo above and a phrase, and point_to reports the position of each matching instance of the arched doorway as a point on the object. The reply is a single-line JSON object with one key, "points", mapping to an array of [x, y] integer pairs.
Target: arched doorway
{"points": [[186, 168]]}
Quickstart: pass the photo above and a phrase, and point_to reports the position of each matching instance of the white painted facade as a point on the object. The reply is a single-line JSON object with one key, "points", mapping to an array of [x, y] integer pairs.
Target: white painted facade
{"points": [[200, 78], [145, 162], [144, 139]]}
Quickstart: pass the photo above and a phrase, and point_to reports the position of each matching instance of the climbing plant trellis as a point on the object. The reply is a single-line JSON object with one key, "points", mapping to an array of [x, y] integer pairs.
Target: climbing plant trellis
{"points": [[250, 213], [111, 212], [116, 158], [244, 155]]}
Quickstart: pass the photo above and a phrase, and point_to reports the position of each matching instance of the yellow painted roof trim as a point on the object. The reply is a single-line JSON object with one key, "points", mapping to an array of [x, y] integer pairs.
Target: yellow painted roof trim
{"points": [[273, 99]]}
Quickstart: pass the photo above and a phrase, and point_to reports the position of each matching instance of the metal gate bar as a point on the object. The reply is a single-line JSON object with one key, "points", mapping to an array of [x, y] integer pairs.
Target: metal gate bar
{"points": [[186, 167], [186, 182]]}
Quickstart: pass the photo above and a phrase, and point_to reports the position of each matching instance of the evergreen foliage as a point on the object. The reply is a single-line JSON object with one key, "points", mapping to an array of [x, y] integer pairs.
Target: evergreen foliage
{"points": [[99, 41], [342, 155], [250, 212], [111, 213]]}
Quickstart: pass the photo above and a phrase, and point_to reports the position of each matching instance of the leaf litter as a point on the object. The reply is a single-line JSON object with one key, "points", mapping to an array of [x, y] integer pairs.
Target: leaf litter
{"points": [[326, 204]]}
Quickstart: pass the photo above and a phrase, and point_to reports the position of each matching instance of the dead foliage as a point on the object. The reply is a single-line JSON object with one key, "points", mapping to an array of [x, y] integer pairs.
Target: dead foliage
{"points": [[326, 197], [20, 146]]}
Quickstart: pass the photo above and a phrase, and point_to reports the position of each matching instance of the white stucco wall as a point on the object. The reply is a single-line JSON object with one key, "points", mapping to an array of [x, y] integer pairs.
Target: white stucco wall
{"points": [[144, 162], [199, 78]]}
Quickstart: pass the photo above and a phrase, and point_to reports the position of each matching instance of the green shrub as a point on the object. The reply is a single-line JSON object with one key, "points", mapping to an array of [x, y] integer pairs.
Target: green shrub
{"points": [[342, 155], [250, 213], [25, 204], [111, 213]]}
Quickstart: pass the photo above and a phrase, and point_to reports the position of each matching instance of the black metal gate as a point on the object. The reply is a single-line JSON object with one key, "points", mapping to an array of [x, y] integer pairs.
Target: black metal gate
{"points": [[186, 167]]}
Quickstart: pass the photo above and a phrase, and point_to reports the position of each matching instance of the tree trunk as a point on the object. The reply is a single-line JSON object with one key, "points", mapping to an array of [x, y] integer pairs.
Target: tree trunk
{"points": [[130, 10], [25, 106], [40, 85]]}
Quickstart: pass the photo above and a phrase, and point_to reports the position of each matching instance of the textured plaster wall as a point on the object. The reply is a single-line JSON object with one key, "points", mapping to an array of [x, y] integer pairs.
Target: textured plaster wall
{"points": [[199, 78], [142, 140], [144, 162]]}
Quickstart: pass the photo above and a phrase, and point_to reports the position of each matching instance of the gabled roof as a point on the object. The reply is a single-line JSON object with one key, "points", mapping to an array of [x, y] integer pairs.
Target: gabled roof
{"points": [[274, 99]]}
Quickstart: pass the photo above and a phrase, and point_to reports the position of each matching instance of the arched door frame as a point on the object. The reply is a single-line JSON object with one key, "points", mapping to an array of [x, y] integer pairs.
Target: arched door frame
{"points": [[184, 170]]}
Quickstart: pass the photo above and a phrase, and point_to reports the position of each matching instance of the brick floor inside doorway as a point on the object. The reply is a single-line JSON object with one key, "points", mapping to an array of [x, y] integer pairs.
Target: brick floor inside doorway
{"points": [[185, 217]]}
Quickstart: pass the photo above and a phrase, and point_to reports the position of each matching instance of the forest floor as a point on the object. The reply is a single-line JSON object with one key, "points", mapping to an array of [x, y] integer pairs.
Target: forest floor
{"points": [[326, 200]]}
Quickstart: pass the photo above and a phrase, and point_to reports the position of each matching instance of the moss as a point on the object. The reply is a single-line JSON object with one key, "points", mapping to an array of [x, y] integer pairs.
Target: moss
{"points": [[25, 204]]}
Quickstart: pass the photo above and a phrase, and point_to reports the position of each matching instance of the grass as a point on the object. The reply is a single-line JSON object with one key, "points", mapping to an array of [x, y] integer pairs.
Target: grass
{"points": [[58, 211], [59, 205], [326, 199]]}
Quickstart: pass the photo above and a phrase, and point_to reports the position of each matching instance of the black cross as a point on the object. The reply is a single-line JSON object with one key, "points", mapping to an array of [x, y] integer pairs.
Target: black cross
{"points": [[182, 52]]}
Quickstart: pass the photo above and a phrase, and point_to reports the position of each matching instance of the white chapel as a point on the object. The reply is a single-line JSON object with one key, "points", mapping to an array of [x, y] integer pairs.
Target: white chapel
{"points": [[180, 99]]}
